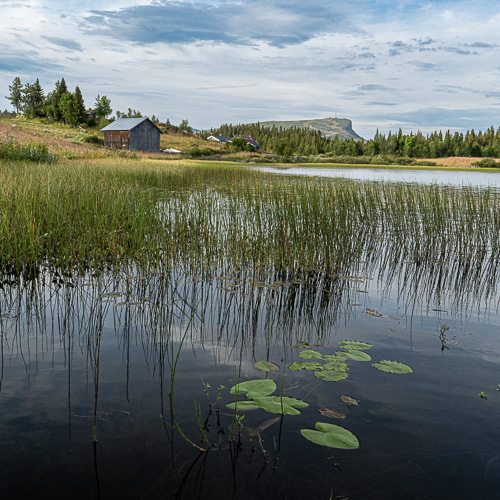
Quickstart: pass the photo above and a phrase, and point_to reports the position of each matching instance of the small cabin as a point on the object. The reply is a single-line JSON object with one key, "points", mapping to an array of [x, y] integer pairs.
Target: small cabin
{"points": [[219, 139], [133, 134]]}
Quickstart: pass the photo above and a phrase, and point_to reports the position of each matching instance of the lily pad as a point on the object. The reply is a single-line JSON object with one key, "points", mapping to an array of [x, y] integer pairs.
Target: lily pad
{"points": [[283, 405], [309, 354], [302, 345], [331, 357], [254, 388], [266, 366], [337, 365], [354, 355], [331, 435], [392, 367], [348, 400], [331, 413], [263, 426], [354, 344], [331, 375], [243, 405], [307, 365]]}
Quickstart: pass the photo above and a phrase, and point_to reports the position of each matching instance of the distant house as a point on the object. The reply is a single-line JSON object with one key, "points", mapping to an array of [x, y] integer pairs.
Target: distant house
{"points": [[134, 134], [228, 140], [220, 139], [250, 141], [90, 114]]}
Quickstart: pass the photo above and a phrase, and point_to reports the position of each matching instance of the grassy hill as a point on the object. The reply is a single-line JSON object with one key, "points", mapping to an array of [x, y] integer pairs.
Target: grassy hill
{"points": [[329, 127], [65, 140]]}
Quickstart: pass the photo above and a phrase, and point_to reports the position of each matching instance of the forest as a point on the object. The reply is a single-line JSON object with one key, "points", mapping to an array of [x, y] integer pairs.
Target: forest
{"points": [[306, 142]]}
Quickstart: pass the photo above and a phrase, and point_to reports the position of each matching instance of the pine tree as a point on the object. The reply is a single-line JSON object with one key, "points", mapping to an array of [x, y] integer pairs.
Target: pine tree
{"points": [[67, 108], [79, 106], [16, 94], [54, 100], [33, 100]]}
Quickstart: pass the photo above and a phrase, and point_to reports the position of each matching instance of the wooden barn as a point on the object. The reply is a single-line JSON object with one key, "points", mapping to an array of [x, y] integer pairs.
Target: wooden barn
{"points": [[134, 134]]}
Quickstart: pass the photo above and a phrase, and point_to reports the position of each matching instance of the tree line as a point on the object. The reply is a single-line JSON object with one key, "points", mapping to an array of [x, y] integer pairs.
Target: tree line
{"points": [[59, 105], [306, 142]]}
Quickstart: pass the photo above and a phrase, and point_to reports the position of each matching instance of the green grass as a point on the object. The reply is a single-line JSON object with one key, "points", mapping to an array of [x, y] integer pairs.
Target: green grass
{"points": [[33, 151]]}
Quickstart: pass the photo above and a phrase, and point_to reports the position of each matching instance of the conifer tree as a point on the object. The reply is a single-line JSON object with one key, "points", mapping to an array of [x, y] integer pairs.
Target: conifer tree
{"points": [[54, 100], [79, 106], [33, 100], [16, 94]]}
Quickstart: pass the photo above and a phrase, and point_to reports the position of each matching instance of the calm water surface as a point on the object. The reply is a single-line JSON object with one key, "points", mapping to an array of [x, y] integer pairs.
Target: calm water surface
{"points": [[473, 178], [102, 349], [422, 435]]}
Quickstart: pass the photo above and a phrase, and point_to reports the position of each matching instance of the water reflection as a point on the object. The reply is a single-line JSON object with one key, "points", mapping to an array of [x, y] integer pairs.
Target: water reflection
{"points": [[238, 311], [93, 355]]}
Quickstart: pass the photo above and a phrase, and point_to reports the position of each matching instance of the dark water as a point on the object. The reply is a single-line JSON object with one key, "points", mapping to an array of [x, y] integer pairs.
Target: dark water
{"points": [[427, 434]]}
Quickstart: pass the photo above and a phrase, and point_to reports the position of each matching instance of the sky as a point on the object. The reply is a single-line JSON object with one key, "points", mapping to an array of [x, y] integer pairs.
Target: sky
{"points": [[390, 64]]}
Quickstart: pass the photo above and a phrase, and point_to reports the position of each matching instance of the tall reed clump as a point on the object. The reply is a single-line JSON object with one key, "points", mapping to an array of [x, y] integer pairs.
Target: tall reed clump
{"points": [[218, 217]]}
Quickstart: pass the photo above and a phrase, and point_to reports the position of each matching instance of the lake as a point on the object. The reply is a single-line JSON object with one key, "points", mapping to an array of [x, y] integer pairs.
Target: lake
{"points": [[457, 178], [113, 382]]}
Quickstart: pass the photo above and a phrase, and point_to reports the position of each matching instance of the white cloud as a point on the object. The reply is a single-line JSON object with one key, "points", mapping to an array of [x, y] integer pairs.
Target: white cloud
{"points": [[241, 61]]}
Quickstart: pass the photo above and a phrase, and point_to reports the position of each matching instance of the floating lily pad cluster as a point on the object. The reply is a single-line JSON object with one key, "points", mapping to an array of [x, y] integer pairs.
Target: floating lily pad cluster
{"points": [[259, 395], [335, 366], [329, 367]]}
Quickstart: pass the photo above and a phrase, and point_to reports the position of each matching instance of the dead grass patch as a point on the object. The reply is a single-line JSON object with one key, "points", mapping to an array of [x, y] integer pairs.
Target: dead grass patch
{"points": [[456, 161]]}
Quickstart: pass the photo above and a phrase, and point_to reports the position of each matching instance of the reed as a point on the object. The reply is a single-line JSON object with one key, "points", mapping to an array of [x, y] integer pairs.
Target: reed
{"points": [[213, 217]]}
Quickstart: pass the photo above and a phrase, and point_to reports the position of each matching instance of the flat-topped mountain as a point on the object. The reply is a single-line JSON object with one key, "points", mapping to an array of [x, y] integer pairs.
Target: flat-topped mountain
{"points": [[329, 127]]}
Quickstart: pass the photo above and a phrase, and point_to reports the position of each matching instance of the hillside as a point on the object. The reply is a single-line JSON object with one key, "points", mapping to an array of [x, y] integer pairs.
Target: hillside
{"points": [[329, 127], [67, 141]]}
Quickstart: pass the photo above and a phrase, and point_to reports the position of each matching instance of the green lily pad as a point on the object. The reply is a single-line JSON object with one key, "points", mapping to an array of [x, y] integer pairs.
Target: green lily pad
{"points": [[331, 357], [243, 405], [254, 388], [307, 365], [278, 404], [331, 375], [309, 354], [354, 355], [266, 366], [337, 365], [331, 435], [354, 344], [392, 367]]}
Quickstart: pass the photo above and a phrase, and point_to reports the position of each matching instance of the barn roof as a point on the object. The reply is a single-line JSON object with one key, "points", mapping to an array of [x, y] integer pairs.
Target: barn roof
{"points": [[126, 124]]}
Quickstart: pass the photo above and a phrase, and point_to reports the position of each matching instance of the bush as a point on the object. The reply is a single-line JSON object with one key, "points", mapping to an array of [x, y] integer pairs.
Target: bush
{"points": [[93, 139], [486, 163], [196, 152], [26, 152]]}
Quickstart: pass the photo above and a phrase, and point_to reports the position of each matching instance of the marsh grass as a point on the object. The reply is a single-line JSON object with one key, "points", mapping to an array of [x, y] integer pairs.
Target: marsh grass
{"points": [[219, 218]]}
